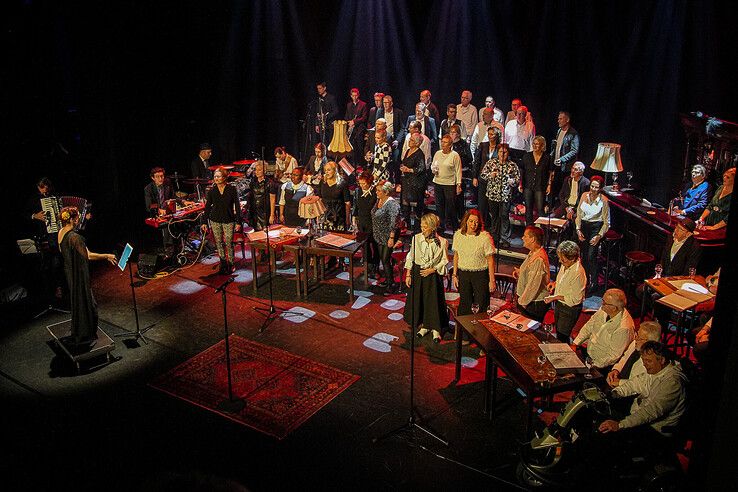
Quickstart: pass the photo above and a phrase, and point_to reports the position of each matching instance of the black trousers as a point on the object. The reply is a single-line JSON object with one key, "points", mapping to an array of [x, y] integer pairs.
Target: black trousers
{"points": [[499, 221], [483, 201], [589, 252], [385, 256], [371, 255], [473, 288], [566, 317], [533, 198], [534, 310], [446, 205]]}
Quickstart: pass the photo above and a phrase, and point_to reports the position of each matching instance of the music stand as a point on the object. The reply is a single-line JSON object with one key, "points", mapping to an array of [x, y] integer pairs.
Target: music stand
{"points": [[124, 261], [412, 423], [231, 405]]}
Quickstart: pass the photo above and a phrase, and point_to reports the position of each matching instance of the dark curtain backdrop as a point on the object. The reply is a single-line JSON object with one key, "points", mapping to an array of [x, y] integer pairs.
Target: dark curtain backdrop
{"points": [[99, 92]]}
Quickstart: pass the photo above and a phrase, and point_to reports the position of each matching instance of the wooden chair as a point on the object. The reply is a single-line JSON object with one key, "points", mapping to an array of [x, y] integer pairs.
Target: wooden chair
{"points": [[506, 285]]}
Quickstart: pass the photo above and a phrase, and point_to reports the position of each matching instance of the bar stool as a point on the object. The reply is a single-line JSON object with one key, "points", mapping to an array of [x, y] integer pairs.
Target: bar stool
{"points": [[636, 261], [611, 241]]}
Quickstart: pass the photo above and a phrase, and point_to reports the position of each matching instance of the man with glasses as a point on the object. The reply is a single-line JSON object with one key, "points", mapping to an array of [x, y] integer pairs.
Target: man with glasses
{"points": [[466, 111], [609, 331], [693, 200], [630, 365]]}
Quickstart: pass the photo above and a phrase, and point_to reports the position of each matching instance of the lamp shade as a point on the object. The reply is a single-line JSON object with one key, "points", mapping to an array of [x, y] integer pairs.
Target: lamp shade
{"points": [[607, 158], [340, 143], [311, 207]]}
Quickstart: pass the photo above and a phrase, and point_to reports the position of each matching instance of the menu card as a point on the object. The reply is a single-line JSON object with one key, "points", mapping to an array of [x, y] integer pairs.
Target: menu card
{"points": [[335, 240], [563, 358], [515, 321]]}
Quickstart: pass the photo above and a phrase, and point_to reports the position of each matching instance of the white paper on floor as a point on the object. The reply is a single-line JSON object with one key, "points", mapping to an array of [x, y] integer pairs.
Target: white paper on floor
{"points": [[297, 314], [469, 362], [380, 342], [243, 276], [287, 271], [360, 302], [393, 304], [395, 316], [362, 293], [186, 287], [339, 314], [343, 276]]}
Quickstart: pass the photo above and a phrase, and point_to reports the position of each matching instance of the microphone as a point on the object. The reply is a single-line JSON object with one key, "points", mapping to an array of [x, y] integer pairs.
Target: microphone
{"points": [[225, 284]]}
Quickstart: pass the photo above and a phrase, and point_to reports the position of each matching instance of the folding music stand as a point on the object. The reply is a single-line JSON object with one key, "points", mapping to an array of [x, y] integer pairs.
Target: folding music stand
{"points": [[122, 262]]}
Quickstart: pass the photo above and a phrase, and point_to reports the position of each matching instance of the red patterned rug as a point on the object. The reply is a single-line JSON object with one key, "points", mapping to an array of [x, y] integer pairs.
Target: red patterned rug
{"points": [[281, 390]]}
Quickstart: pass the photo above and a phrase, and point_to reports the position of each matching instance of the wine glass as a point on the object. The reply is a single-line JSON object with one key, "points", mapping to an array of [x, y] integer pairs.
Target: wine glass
{"points": [[692, 272], [657, 270], [541, 362], [615, 181], [629, 175], [548, 329], [475, 310], [490, 311], [589, 363]]}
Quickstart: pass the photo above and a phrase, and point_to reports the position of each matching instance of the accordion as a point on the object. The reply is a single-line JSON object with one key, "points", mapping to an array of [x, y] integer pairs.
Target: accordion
{"points": [[52, 205]]}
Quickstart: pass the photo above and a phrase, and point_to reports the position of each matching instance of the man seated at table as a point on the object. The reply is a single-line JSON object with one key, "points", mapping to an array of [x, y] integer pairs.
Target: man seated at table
{"points": [[682, 251], [156, 194], [630, 365], [574, 186], [694, 198], [660, 399], [609, 331]]}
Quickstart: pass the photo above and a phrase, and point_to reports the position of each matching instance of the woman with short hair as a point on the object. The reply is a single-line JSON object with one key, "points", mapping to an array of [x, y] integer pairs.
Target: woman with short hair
{"points": [[533, 275], [538, 174], [568, 290], [474, 264], [223, 215], [384, 227]]}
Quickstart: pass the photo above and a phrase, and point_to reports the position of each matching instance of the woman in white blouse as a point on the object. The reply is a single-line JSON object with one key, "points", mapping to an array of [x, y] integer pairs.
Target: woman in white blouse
{"points": [[592, 222], [533, 276], [474, 265], [425, 266], [568, 290]]}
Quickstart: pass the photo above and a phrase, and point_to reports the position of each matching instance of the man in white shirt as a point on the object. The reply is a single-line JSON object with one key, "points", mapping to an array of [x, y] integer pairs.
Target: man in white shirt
{"points": [[609, 331], [480, 131], [630, 365], [513, 113], [285, 164], [568, 290], [519, 135], [467, 112], [660, 395], [489, 102]]}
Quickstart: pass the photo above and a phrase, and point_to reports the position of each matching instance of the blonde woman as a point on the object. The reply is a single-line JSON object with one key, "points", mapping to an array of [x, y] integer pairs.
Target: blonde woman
{"points": [[425, 266]]}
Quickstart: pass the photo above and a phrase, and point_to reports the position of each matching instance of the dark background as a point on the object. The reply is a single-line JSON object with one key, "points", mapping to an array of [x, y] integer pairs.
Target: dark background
{"points": [[95, 94]]}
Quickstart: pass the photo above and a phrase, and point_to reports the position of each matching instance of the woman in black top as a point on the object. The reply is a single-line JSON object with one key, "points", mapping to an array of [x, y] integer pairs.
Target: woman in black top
{"points": [[412, 168], [537, 176], [223, 212], [335, 195], [364, 201]]}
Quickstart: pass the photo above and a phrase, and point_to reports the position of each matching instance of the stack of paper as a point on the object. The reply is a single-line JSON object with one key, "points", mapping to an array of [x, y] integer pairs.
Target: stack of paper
{"points": [[335, 240], [261, 235], [516, 321], [550, 221], [562, 357]]}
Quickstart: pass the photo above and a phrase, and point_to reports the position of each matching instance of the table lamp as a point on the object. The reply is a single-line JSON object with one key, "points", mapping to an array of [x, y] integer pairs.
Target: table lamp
{"points": [[310, 208], [607, 160]]}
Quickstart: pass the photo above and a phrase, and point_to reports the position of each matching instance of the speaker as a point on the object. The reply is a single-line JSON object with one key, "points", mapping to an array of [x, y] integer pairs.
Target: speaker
{"points": [[148, 264]]}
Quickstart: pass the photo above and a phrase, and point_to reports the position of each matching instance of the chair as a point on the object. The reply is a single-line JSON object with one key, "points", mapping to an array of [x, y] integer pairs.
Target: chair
{"points": [[636, 262], [609, 243], [506, 286], [239, 239]]}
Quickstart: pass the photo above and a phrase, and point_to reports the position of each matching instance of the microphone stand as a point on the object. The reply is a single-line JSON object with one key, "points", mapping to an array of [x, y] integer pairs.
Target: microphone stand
{"points": [[231, 405], [272, 309], [412, 424]]}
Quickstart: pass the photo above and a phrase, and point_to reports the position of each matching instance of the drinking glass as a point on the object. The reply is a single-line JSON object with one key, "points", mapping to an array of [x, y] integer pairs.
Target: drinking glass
{"points": [[588, 362], [548, 329], [541, 362], [692, 272], [629, 175], [475, 310], [657, 270], [490, 311]]}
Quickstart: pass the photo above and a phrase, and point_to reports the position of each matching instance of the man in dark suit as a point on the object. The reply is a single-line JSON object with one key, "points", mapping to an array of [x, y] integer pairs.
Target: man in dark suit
{"points": [[371, 120], [429, 128], [395, 119], [201, 162], [568, 199], [430, 108], [682, 251], [356, 115], [325, 111], [564, 149], [156, 194]]}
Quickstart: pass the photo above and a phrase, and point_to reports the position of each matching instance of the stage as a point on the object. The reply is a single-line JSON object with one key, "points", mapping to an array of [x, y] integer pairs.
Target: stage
{"points": [[109, 426]]}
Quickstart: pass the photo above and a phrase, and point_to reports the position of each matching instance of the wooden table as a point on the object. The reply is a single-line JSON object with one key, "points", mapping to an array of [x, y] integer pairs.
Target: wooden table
{"points": [[275, 244], [306, 248], [515, 353]]}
